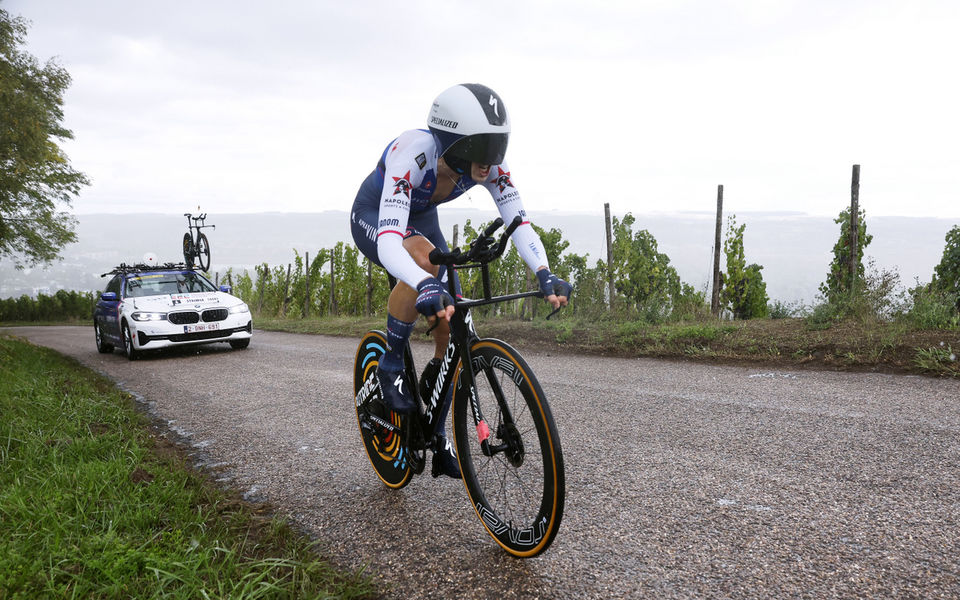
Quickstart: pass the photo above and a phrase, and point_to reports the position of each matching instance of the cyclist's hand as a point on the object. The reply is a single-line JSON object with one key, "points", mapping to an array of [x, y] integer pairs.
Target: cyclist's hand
{"points": [[433, 301], [555, 290]]}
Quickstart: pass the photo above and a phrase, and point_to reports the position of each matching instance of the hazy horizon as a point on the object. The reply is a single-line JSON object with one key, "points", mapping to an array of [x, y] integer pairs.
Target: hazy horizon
{"points": [[794, 248]]}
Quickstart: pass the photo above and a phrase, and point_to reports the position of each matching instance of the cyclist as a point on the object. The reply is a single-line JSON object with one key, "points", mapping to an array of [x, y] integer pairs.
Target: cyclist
{"points": [[394, 223]]}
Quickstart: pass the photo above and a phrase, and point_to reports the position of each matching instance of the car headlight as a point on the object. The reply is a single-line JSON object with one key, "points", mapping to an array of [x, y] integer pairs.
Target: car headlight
{"points": [[149, 316], [240, 308]]}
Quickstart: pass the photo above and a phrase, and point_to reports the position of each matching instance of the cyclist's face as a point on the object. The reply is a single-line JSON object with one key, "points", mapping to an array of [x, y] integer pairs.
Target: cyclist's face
{"points": [[479, 172]]}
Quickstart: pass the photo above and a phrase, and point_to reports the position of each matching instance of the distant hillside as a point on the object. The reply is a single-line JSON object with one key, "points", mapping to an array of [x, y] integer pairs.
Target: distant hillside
{"points": [[794, 249]]}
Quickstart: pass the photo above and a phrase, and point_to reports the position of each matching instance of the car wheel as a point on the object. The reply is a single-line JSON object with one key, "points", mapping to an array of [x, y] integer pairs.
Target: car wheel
{"points": [[128, 348], [102, 346], [239, 344]]}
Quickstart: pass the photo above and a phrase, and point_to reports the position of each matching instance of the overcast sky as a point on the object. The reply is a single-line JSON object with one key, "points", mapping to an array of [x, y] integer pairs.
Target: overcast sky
{"points": [[646, 104]]}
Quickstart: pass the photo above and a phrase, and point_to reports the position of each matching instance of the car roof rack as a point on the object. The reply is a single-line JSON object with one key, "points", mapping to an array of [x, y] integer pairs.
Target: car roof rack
{"points": [[125, 269]]}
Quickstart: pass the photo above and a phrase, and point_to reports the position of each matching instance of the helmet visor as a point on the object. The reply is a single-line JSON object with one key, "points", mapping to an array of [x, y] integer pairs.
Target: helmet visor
{"points": [[482, 148]]}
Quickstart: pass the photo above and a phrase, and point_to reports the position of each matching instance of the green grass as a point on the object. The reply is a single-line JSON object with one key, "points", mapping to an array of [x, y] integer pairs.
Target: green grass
{"points": [[940, 360], [90, 507]]}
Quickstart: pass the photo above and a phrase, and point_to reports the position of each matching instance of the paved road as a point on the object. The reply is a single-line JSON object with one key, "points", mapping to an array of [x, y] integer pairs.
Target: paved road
{"points": [[683, 480]]}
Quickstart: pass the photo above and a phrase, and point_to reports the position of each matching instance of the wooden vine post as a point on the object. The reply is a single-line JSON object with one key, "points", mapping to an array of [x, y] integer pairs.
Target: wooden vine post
{"points": [[854, 227], [715, 297], [333, 283], [306, 297]]}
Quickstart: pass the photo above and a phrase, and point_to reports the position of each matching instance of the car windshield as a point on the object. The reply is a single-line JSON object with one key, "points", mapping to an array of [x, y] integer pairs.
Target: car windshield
{"points": [[157, 284]]}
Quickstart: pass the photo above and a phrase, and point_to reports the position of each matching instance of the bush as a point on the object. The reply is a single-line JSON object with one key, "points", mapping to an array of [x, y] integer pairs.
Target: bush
{"points": [[744, 292], [785, 310], [823, 315], [932, 308]]}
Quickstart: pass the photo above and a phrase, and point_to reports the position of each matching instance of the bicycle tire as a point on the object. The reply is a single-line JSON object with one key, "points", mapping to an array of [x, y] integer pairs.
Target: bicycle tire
{"points": [[386, 450], [518, 494], [203, 252], [188, 250]]}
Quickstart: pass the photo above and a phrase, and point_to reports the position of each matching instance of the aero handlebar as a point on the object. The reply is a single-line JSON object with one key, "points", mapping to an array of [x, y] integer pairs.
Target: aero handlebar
{"points": [[482, 250]]}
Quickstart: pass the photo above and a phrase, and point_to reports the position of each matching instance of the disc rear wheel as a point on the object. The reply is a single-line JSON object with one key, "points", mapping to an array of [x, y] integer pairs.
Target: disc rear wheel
{"points": [[381, 429]]}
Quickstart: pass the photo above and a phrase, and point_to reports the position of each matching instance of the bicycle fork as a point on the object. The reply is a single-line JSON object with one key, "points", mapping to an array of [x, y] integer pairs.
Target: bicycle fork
{"points": [[506, 431]]}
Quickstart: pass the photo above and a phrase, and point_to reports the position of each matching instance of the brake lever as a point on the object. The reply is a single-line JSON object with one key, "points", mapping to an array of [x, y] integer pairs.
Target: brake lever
{"points": [[555, 311]]}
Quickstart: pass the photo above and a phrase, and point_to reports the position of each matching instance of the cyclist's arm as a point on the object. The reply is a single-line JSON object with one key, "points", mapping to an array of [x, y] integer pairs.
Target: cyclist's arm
{"points": [[401, 175], [508, 201]]}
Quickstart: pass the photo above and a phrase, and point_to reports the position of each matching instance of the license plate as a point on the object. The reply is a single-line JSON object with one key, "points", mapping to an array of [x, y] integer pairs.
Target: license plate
{"points": [[201, 327]]}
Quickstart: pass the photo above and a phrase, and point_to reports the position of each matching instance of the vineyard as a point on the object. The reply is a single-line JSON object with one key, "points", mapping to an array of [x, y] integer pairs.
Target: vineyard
{"points": [[636, 285], [340, 281]]}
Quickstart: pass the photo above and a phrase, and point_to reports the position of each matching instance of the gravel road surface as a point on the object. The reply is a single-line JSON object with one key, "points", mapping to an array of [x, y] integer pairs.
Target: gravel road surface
{"points": [[683, 480]]}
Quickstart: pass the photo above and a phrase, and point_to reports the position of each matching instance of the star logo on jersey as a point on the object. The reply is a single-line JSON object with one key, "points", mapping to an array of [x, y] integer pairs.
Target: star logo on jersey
{"points": [[402, 185], [502, 179]]}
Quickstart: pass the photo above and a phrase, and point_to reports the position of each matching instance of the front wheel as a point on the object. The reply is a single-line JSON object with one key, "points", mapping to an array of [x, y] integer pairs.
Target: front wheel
{"points": [[509, 450], [128, 348], [203, 252]]}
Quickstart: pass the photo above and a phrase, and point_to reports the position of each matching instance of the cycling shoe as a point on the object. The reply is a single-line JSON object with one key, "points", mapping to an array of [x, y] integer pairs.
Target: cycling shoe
{"points": [[396, 394], [445, 459]]}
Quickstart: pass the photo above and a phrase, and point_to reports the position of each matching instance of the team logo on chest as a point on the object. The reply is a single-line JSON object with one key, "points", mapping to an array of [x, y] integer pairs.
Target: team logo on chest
{"points": [[402, 185], [502, 179]]}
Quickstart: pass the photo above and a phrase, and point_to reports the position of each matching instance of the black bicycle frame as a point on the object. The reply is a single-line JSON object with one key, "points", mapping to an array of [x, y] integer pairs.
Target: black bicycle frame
{"points": [[462, 337]]}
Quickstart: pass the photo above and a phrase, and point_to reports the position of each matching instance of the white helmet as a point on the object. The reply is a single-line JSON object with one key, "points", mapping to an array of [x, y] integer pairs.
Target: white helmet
{"points": [[470, 124]]}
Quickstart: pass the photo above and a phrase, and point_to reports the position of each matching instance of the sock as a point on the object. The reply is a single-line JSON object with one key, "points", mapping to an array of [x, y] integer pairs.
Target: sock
{"points": [[398, 332]]}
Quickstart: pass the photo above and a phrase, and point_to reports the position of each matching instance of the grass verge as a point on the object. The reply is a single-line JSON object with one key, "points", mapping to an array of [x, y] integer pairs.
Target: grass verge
{"points": [[93, 505], [850, 344]]}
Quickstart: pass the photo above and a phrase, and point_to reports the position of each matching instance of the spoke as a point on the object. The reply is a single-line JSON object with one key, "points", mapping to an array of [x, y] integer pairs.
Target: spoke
{"points": [[514, 495]]}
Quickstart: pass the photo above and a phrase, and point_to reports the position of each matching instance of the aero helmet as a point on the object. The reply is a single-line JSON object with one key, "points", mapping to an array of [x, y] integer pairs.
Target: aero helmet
{"points": [[470, 124]]}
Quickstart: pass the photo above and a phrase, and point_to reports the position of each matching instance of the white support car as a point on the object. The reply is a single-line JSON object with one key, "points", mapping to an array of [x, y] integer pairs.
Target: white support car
{"points": [[149, 307]]}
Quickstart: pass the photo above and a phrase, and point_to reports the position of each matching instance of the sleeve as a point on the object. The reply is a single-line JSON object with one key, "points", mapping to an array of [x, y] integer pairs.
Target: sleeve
{"points": [[508, 201], [401, 176]]}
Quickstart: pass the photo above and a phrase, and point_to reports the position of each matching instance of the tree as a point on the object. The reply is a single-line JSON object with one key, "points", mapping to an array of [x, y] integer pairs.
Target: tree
{"points": [[838, 287], [744, 291], [35, 174]]}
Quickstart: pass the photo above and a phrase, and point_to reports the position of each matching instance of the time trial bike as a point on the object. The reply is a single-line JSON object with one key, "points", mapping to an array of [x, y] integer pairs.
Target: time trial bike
{"points": [[195, 243], [505, 436]]}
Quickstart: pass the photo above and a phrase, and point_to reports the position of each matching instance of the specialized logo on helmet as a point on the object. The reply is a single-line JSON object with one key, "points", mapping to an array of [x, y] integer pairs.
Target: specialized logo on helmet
{"points": [[493, 107], [502, 179], [435, 120], [402, 185]]}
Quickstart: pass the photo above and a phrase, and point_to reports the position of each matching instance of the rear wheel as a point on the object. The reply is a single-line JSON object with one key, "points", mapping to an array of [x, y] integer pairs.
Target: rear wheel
{"points": [[188, 250], [381, 429], [511, 460], [203, 252], [102, 346]]}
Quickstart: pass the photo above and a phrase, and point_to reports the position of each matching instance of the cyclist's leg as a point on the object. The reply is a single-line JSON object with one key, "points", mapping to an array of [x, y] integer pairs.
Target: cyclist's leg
{"points": [[427, 224], [423, 236], [401, 310]]}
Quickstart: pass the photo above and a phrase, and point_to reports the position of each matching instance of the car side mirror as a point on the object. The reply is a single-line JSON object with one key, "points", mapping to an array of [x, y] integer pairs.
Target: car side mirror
{"points": [[226, 289], [109, 296]]}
